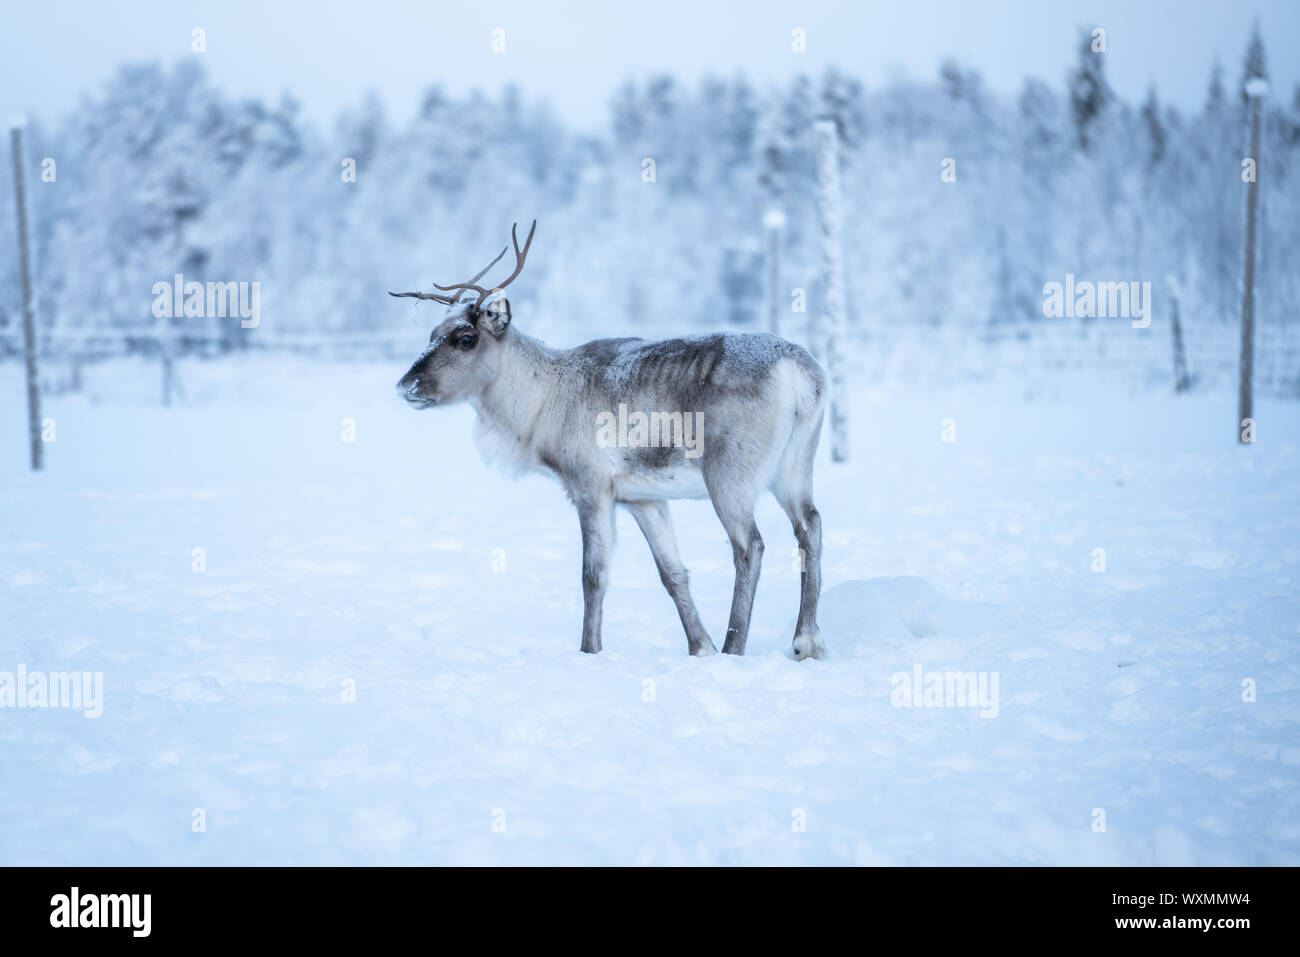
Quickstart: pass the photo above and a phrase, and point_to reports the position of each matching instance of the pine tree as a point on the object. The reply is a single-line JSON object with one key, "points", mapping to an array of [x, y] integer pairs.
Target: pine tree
{"points": [[1215, 96], [1254, 65], [1155, 128], [1090, 95], [773, 149], [841, 101]]}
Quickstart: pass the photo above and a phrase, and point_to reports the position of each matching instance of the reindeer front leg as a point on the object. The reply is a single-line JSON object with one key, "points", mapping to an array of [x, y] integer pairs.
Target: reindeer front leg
{"points": [[596, 516]]}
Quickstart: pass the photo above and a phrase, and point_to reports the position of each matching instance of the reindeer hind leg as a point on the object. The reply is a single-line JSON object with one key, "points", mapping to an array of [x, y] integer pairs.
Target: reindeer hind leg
{"points": [[733, 493], [792, 487]]}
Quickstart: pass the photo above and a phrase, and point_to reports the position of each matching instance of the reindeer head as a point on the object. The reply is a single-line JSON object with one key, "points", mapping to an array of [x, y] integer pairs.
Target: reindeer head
{"points": [[464, 351]]}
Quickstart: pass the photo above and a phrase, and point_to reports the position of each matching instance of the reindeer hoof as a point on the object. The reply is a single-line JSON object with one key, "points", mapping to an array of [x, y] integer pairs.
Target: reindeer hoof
{"points": [[704, 649], [808, 646]]}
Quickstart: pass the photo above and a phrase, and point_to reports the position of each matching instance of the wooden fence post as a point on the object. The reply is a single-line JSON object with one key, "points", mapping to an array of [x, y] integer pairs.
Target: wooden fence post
{"points": [[1255, 89], [29, 317]]}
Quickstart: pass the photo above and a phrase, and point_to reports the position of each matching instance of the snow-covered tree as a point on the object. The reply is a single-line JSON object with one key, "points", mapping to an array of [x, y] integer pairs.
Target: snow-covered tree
{"points": [[1090, 94], [831, 323]]}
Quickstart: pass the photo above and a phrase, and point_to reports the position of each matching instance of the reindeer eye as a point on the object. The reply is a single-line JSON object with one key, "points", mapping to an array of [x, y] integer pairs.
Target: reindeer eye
{"points": [[468, 341]]}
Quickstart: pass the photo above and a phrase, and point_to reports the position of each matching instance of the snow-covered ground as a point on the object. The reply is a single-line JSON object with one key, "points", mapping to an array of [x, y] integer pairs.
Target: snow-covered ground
{"points": [[449, 597]]}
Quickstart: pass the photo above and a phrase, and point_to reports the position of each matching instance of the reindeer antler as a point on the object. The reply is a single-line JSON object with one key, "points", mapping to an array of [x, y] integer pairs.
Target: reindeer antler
{"points": [[451, 300], [520, 256]]}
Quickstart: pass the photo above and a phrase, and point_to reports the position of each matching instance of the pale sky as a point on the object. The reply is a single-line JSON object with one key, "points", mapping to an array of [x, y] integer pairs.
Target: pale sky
{"points": [[574, 53]]}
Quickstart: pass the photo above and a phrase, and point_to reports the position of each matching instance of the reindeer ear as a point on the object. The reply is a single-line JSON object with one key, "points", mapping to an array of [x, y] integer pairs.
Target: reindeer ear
{"points": [[496, 315]]}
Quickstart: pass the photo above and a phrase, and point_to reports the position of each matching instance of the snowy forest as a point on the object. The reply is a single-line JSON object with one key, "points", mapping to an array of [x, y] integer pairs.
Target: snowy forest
{"points": [[959, 205]]}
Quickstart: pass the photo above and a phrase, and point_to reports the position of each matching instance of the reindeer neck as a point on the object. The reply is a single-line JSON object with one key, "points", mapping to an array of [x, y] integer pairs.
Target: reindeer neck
{"points": [[524, 384]]}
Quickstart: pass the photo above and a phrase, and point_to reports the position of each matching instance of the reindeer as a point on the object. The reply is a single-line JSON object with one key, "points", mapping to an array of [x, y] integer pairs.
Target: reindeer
{"points": [[758, 401]]}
